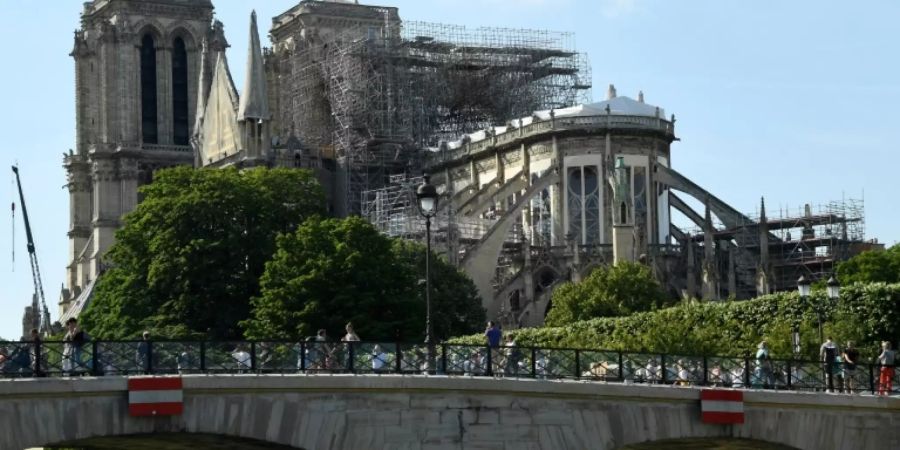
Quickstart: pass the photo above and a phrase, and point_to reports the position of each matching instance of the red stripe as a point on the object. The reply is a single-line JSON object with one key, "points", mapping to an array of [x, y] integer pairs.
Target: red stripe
{"points": [[713, 394], [155, 409], [154, 384], [723, 417]]}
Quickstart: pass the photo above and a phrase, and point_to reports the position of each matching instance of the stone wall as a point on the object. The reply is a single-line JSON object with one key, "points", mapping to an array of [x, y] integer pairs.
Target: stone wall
{"points": [[393, 412]]}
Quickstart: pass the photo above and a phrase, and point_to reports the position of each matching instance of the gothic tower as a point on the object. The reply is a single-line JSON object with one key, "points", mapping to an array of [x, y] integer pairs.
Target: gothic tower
{"points": [[137, 69]]}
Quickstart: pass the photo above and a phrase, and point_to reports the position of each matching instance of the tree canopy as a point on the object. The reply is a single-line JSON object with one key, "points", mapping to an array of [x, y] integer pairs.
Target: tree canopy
{"points": [[333, 271], [616, 290], [871, 267], [190, 256]]}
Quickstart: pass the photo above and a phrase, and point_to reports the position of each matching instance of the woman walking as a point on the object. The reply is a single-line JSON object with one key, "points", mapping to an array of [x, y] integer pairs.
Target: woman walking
{"points": [[886, 361]]}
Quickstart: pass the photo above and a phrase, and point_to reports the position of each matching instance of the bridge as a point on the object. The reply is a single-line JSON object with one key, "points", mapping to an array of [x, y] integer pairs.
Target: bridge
{"points": [[383, 395], [346, 411]]}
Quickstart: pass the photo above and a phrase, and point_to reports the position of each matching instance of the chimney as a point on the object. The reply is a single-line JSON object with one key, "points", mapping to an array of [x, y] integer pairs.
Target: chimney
{"points": [[611, 94]]}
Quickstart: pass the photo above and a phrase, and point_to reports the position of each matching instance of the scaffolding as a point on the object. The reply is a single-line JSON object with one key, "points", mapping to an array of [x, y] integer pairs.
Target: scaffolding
{"points": [[375, 95], [809, 241]]}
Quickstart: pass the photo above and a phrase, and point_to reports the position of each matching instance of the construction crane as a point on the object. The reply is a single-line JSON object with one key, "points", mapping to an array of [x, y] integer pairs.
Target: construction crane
{"points": [[44, 327]]}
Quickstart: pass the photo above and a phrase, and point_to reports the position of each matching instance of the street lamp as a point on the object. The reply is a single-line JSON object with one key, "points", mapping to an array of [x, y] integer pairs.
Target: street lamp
{"points": [[833, 287], [427, 197], [803, 286]]}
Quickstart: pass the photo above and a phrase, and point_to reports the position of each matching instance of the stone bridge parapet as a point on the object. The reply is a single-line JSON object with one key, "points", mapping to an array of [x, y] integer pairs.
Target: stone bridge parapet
{"points": [[437, 412]]}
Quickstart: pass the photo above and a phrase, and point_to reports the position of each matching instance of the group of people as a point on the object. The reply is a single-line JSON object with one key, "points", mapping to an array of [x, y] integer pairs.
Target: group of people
{"points": [[30, 360], [840, 367]]}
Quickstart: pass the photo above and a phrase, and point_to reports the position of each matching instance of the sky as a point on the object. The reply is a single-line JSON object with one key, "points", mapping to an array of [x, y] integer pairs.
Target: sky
{"points": [[793, 101]]}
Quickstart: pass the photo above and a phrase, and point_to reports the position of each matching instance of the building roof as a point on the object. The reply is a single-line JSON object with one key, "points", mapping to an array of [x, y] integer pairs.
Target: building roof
{"points": [[618, 106]]}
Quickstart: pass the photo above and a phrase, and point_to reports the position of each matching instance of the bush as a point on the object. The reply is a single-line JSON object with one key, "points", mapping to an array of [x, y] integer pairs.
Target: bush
{"points": [[865, 313]]}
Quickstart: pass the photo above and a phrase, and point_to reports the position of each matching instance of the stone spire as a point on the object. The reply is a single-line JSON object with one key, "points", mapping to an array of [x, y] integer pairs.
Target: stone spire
{"points": [[611, 93], [254, 103], [202, 91], [641, 96], [762, 271]]}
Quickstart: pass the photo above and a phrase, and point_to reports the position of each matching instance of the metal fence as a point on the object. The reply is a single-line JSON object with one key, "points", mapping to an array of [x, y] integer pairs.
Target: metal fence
{"points": [[99, 358]]}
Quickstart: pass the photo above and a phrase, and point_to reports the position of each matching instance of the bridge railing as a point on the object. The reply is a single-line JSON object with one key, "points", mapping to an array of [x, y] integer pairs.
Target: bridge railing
{"points": [[106, 358]]}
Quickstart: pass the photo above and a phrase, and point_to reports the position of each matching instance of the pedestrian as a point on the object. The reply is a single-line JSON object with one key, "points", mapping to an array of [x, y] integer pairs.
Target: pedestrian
{"points": [[886, 374], [850, 357], [764, 366], [379, 358], [242, 359], [350, 336], [494, 336], [35, 353], [513, 356], [828, 354], [143, 353], [74, 340], [322, 358]]}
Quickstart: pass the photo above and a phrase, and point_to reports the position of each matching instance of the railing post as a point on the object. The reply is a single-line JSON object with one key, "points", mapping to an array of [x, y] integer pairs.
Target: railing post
{"points": [[621, 367], [444, 357], [790, 374], [203, 356], [533, 362], [252, 356], [490, 361], [94, 356], [578, 364], [303, 356], [747, 373], [398, 358], [350, 357], [38, 359], [705, 371], [872, 378], [149, 357]]}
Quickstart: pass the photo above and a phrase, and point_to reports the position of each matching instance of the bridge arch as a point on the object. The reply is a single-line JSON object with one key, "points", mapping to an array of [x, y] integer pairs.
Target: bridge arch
{"points": [[172, 441]]}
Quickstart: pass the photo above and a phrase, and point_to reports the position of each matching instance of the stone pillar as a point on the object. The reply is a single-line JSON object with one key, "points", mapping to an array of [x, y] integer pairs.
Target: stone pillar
{"points": [[732, 275], [710, 268], [691, 272], [623, 226], [106, 203], [557, 231], [79, 186]]}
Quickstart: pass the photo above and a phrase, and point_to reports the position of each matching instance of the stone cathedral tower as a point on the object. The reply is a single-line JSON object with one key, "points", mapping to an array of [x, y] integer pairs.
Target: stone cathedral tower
{"points": [[137, 69]]}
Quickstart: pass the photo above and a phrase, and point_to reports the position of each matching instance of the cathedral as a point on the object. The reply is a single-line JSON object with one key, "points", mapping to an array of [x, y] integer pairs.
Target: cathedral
{"points": [[539, 184]]}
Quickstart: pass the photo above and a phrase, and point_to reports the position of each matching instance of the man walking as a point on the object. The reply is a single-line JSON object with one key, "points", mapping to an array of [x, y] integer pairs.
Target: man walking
{"points": [[828, 353]]}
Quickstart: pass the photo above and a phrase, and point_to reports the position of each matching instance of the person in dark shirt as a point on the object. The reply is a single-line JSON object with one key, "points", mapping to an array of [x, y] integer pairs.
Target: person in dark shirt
{"points": [[850, 357], [494, 335]]}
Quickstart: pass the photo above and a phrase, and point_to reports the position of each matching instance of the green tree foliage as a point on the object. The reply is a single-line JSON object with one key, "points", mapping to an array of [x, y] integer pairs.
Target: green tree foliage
{"points": [[332, 271], [864, 313], [190, 256], [871, 267], [609, 291]]}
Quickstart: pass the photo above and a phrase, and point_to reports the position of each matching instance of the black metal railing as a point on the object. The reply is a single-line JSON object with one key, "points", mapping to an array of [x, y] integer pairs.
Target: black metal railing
{"points": [[105, 358]]}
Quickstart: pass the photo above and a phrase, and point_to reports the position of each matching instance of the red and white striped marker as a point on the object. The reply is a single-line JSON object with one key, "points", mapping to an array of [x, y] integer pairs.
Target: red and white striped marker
{"points": [[155, 396], [722, 407]]}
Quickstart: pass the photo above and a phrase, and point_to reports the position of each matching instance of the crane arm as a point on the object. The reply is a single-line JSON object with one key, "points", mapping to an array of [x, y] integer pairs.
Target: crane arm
{"points": [[35, 268]]}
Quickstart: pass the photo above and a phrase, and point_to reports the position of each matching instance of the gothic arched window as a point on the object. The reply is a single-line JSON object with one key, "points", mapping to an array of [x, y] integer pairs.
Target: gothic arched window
{"points": [[149, 131], [179, 93]]}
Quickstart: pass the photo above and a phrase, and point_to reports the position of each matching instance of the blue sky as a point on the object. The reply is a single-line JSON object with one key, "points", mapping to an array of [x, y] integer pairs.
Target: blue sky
{"points": [[795, 101]]}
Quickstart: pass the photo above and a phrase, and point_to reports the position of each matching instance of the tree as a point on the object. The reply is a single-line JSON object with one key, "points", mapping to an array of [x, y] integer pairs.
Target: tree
{"points": [[617, 290], [189, 257], [330, 272], [455, 304], [871, 267]]}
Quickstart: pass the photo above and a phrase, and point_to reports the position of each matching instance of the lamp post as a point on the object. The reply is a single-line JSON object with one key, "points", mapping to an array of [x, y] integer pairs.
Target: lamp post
{"points": [[427, 197], [803, 286], [833, 289]]}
